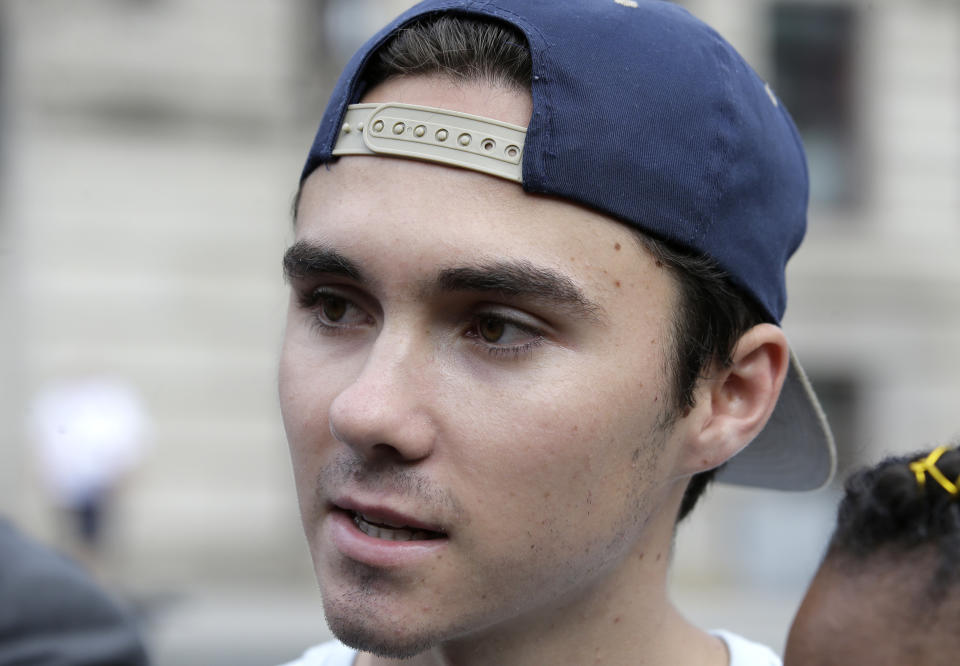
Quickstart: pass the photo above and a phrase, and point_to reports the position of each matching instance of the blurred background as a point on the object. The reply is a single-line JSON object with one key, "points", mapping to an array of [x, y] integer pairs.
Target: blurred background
{"points": [[149, 153]]}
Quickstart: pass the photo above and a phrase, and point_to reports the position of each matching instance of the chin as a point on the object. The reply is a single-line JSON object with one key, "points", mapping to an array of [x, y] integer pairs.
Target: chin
{"points": [[383, 641], [358, 618]]}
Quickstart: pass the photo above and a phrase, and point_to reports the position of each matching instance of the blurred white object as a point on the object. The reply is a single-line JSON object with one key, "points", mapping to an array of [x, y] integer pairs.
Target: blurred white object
{"points": [[90, 433]]}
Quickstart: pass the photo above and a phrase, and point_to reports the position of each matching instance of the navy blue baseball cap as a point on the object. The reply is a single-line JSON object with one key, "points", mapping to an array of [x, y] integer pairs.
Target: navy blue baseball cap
{"points": [[646, 114]]}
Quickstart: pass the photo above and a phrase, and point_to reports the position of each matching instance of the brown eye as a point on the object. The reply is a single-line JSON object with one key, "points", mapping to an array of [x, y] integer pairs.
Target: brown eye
{"points": [[490, 329], [334, 308]]}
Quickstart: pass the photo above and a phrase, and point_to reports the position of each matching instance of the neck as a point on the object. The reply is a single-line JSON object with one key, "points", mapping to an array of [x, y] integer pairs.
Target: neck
{"points": [[624, 617]]}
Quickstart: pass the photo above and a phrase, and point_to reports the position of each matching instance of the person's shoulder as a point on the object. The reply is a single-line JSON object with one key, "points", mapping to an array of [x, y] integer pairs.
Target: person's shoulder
{"points": [[48, 587], [53, 611], [744, 652], [333, 653]]}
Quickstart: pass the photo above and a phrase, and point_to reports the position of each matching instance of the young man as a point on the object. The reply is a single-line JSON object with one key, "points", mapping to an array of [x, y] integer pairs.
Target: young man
{"points": [[535, 289], [887, 591]]}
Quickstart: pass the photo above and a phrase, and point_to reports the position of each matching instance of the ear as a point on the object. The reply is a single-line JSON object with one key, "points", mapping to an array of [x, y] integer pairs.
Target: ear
{"points": [[733, 403]]}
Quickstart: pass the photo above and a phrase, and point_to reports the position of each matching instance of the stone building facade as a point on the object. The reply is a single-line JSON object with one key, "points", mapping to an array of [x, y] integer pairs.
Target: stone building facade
{"points": [[151, 151]]}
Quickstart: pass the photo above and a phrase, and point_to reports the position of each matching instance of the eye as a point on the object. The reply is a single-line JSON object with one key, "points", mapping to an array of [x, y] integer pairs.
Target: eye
{"points": [[502, 335], [491, 329], [331, 312], [333, 307]]}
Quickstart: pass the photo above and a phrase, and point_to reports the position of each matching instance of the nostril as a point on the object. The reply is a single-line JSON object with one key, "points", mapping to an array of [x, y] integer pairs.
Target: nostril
{"points": [[385, 451]]}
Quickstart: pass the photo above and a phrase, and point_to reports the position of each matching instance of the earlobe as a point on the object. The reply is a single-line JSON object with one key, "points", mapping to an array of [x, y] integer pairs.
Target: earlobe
{"points": [[735, 402]]}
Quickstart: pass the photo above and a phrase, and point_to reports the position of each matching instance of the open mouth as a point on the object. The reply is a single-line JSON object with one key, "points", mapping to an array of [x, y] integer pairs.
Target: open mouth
{"points": [[380, 530]]}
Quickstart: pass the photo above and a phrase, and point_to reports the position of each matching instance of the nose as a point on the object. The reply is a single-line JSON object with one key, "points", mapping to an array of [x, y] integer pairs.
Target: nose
{"points": [[384, 412]]}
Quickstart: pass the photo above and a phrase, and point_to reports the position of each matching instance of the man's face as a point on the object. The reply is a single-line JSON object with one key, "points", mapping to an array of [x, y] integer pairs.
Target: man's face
{"points": [[481, 374]]}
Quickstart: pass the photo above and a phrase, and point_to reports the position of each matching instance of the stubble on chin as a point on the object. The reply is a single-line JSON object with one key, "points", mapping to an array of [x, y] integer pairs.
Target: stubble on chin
{"points": [[355, 619], [356, 596]]}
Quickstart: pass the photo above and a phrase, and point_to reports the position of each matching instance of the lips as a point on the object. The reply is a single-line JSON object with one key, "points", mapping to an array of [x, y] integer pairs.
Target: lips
{"points": [[385, 524], [380, 537], [390, 532]]}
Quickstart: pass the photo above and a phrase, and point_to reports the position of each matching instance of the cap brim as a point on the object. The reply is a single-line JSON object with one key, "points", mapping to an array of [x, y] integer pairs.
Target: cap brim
{"points": [[795, 451]]}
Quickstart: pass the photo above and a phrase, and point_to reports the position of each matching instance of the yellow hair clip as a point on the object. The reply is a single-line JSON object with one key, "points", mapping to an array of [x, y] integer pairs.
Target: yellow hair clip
{"points": [[929, 466]]}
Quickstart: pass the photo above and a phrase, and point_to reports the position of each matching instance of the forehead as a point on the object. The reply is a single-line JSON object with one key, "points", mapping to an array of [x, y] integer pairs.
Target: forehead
{"points": [[403, 222]]}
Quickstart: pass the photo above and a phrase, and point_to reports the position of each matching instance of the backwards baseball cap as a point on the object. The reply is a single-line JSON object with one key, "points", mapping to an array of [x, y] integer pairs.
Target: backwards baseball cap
{"points": [[644, 113]]}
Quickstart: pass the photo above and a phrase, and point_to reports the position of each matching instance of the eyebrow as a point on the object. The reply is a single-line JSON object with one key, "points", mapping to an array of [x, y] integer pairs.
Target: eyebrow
{"points": [[304, 259], [521, 279]]}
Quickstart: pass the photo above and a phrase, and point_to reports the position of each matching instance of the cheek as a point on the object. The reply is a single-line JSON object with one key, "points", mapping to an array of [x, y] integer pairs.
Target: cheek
{"points": [[304, 407], [553, 494], [295, 401], [558, 462], [305, 398]]}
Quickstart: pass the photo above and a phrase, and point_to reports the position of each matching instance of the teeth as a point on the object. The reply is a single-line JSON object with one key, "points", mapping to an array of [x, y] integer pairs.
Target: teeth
{"points": [[391, 533], [381, 522]]}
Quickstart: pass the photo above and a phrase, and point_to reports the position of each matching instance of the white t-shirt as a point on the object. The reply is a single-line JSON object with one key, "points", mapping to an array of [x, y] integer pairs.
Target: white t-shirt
{"points": [[333, 653], [742, 653], [747, 653]]}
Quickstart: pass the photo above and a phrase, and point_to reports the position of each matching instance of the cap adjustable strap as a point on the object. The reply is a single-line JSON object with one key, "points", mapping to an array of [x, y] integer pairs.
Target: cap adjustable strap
{"points": [[434, 135]]}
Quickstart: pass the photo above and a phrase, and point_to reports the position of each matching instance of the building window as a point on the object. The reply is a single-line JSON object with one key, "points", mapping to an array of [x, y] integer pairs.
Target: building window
{"points": [[813, 69]]}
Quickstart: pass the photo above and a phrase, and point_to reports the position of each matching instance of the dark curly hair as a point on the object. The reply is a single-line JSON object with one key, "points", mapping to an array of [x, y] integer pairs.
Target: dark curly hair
{"points": [[886, 510]]}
